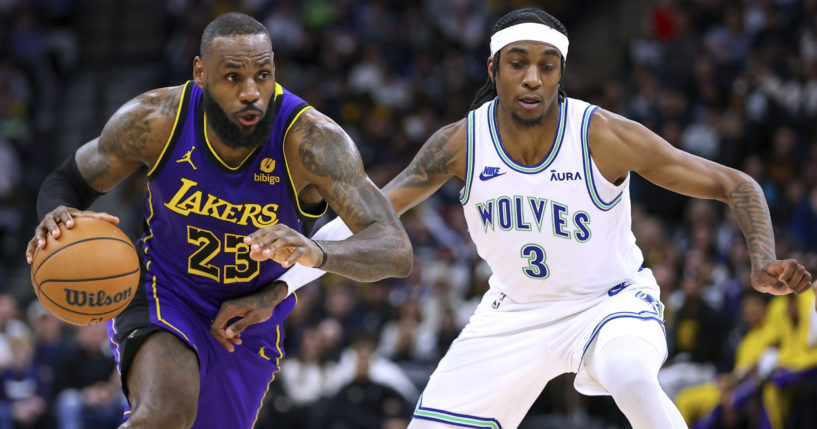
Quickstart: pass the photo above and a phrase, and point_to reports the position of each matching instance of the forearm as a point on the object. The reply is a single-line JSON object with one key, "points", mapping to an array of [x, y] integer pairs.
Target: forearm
{"points": [[65, 187], [378, 251], [749, 205]]}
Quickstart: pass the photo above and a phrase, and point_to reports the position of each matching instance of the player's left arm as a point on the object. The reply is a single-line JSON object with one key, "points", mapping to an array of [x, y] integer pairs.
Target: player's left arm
{"points": [[633, 147], [323, 160]]}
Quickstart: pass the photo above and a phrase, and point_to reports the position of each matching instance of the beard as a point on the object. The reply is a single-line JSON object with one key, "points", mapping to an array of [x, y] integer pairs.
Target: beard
{"points": [[527, 123], [230, 133]]}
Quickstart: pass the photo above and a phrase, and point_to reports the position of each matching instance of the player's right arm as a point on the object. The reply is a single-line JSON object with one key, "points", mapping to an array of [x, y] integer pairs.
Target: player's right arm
{"points": [[134, 136], [439, 159]]}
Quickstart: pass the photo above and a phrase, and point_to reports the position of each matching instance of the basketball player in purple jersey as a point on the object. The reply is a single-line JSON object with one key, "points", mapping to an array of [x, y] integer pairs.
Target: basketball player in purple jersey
{"points": [[234, 161]]}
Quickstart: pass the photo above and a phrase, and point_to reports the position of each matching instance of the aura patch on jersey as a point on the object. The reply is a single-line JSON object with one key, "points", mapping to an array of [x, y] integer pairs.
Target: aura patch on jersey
{"points": [[188, 199], [520, 213]]}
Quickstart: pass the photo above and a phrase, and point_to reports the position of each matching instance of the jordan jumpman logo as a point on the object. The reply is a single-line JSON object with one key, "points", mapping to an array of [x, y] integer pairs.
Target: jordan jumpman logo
{"points": [[186, 158]]}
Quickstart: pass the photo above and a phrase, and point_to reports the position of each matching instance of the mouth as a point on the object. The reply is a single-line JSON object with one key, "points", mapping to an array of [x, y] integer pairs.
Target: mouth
{"points": [[529, 102], [249, 119]]}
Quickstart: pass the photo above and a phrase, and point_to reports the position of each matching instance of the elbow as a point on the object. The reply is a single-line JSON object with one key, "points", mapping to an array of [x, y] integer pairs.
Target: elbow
{"points": [[405, 260]]}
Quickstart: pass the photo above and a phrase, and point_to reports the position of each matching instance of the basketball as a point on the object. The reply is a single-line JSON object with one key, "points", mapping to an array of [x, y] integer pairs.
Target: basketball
{"points": [[88, 275]]}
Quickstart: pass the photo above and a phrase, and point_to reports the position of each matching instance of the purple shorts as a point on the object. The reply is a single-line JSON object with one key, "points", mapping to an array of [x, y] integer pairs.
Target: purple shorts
{"points": [[233, 385]]}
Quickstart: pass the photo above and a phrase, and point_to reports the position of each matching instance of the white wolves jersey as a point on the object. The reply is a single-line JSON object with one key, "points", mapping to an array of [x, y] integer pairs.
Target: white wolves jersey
{"points": [[553, 231]]}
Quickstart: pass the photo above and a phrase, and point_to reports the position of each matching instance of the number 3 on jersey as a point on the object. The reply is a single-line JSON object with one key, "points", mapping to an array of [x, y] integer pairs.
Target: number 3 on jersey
{"points": [[245, 269], [536, 255]]}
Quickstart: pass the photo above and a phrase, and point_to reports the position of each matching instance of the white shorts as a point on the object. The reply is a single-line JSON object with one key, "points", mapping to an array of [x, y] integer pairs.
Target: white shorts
{"points": [[503, 358]]}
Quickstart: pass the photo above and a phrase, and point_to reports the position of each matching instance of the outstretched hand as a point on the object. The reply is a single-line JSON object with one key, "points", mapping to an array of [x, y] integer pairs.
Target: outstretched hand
{"points": [[50, 225], [781, 278], [283, 245], [250, 309]]}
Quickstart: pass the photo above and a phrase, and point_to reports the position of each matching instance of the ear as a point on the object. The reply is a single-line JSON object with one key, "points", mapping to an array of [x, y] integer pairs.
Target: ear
{"points": [[491, 69], [199, 75]]}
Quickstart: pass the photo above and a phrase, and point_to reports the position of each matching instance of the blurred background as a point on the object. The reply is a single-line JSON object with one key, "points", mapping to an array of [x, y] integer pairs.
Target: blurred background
{"points": [[734, 81]]}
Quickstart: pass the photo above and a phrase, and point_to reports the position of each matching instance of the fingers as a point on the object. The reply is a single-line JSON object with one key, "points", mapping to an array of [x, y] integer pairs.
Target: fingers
{"points": [[280, 243], [789, 268], [218, 329], [793, 275], [771, 285], [105, 216], [234, 331], [800, 280]]}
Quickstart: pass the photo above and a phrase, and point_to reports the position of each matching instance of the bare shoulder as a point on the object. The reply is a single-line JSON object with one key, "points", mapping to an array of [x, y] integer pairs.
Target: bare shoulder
{"points": [[140, 128], [608, 128], [619, 145]]}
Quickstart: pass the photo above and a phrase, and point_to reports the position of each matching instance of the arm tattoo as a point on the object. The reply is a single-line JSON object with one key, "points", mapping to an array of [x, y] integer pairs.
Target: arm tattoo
{"points": [[272, 295], [750, 208], [380, 247], [436, 158], [326, 152]]}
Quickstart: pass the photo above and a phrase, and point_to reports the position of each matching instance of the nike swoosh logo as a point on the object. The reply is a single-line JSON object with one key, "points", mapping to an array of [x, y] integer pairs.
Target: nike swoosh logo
{"points": [[483, 176]]}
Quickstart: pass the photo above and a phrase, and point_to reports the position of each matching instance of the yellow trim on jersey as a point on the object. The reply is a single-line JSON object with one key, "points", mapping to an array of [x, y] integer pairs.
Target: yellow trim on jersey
{"points": [[286, 164], [112, 340], [278, 91], [173, 130], [278, 345], [147, 268], [261, 405], [147, 221], [159, 315], [296, 297]]}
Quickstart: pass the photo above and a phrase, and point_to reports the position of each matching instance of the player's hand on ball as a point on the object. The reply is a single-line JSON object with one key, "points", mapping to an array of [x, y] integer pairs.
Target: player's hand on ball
{"points": [[50, 225], [250, 309], [781, 278], [284, 245]]}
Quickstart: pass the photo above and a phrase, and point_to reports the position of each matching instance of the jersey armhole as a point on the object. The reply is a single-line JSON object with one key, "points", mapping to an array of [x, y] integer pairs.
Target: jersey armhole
{"points": [[465, 193], [587, 160], [175, 132], [310, 213]]}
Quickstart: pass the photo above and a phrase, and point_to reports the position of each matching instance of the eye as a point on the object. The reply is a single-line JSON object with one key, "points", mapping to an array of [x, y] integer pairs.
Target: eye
{"points": [[264, 75], [232, 77], [549, 67], [517, 64]]}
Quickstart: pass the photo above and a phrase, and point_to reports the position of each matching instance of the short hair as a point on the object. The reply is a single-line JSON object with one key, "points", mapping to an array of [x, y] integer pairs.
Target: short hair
{"points": [[230, 24], [518, 16]]}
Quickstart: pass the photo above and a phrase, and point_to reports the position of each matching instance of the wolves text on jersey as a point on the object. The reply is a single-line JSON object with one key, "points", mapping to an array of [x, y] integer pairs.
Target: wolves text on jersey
{"points": [[187, 199], [523, 214]]}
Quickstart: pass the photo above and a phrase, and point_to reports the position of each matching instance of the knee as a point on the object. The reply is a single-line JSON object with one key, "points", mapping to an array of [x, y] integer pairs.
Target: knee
{"points": [[171, 414], [625, 370]]}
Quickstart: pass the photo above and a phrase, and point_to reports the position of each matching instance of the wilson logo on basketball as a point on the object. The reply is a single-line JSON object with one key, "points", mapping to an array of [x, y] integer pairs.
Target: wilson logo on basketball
{"points": [[81, 298], [267, 165]]}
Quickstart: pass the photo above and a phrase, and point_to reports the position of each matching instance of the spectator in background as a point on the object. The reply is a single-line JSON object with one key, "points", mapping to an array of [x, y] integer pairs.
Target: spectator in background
{"points": [[88, 384], [803, 224], [11, 328], [24, 389], [365, 402], [695, 337]]}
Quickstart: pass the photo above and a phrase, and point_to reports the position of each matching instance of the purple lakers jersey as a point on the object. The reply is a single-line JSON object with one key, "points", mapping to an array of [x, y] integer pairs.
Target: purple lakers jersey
{"points": [[199, 209]]}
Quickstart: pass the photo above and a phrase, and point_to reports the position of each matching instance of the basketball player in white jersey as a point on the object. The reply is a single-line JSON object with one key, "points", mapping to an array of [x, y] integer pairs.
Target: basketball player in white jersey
{"points": [[547, 204]]}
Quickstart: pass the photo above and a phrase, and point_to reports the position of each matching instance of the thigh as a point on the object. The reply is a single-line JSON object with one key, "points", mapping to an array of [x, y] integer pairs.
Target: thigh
{"points": [[491, 379], [635, 312], [163, 376]]}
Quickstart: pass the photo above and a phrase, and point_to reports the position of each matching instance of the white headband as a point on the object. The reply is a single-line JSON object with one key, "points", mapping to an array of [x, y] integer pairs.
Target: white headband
{"points": [[529, 31]]}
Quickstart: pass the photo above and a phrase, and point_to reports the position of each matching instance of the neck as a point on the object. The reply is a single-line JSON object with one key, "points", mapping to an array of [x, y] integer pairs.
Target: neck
{"points": [[528, 145], [232, 156]]}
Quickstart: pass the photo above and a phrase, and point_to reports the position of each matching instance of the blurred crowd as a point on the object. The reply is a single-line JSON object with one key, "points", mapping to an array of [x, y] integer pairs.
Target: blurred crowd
{"points": [[734, 81]]}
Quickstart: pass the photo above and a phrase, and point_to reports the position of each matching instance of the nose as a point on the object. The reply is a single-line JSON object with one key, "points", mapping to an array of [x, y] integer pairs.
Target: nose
{"points": [[532, 79], [249, 92]]}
